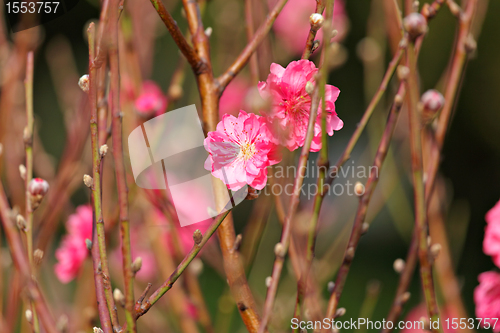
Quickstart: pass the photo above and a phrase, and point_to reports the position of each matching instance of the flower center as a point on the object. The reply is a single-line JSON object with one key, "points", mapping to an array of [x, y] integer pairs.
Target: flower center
{"points": [[247, 150], [297, 104]]}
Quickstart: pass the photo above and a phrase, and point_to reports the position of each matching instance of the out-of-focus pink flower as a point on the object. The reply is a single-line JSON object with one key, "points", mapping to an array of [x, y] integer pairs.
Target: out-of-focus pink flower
{"points": [[289, 114], [233, 97], [151, 101], [491, 243], [487, 299], [240, 150], [414, 324], [73, 249], [292, 25], [38, 186]]}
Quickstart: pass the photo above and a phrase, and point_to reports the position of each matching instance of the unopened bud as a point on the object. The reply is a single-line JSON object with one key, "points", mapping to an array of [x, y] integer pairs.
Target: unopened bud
{"points": [[84, 83], [334, 33], [309, 87], [432, 101], [175, 92], [405, 297], [208, 31], [279, 250], [1, 149], [349, 253], [415, 24], [314, 46], [103, 150], [331, 287], [470, 44], [398, 100], [88, 244], [29, 316], [136, 265], [435, 250], [316, 20], [98, 330], [197, 236], [403, 72], [340, 312], [62, 323], [22, 171], [38, 186], [38, 256], [364, 228], [88, 181], [399, 265], [21, 223], [119, 297], [237, 242], [359, 189], [269, 280], [252, 193]]}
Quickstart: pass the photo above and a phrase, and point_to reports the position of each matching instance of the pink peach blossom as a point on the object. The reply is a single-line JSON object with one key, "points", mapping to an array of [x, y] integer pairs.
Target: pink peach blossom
{"points": [[73, 250], [240, 150], [289, 114], [491, 243], [487, 299], [292, 25], [151, 101], [233, 97]]}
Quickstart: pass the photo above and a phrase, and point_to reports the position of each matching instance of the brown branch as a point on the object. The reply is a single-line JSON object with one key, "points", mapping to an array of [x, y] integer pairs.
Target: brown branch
{"points": [[191, 55], [320, 6], [258, 37], [121, 182]]}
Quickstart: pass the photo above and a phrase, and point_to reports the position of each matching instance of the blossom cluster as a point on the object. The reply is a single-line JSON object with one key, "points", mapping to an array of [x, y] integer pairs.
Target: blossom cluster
{"points": [[242, 147]]}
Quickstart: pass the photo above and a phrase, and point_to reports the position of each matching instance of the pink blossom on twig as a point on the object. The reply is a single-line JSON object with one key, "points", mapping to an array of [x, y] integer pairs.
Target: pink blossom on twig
{"points": [[491, 243], [291, 104], [487, 299], [240, 151]]}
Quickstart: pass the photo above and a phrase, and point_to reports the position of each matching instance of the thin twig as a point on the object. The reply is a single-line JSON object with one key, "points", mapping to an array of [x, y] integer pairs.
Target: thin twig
{"points": [[320, 6], [418, 186], [121, 181], [187, 50], [96, 175]]}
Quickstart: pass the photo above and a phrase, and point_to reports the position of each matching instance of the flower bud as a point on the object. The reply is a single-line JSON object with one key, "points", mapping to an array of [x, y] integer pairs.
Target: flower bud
{"points": [[22, 171], [136, 265], [269, 280], [88, 181], [403, 72], [29, 316], [208, 31], [252, 193], [21, 223], [98, 330], [315, 46], [415, 24], [349, 253], [470, 44], [197, 236], [340, 312], [331, 286], [316, 20], [359, 189], [435, 250], [309, 87], [432, 101], [88, 244], [119, 297], [399, 265], [1, 149], [364, 228], [84, 83], [103, 150], [38, 256], [196, 266], [405, 297], [37, 188], [279, 250]]}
